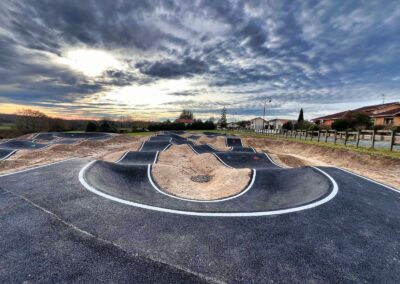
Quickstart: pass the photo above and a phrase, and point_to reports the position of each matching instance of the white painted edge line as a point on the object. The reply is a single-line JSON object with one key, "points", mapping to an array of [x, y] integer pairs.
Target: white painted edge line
{"points": [[254, 150], [156, 157], [6, 157], [209, 214], [368, 179], [272, 161], [7, 140], [219, 159], [212, 147], [122, 157], [169, 145], [37, 167], [193, 149], [248, 187], [141, 146]]}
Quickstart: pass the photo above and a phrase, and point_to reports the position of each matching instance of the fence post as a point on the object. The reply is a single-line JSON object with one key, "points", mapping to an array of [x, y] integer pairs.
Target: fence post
{"points": [[306, 135], [334, 137], [373, 139], [319, 134], [326, 135], [358, 138], [392, 138], [346, 136]]}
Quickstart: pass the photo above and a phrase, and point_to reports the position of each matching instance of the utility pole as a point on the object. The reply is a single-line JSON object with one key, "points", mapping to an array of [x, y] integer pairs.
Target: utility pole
{"points": [[267, 100]]}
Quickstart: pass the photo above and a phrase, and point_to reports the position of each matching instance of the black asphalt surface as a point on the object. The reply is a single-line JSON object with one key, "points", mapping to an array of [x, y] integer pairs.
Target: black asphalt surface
{"points": [[21, 144], [245, 160], [154, 146], [55, 230], [138, 158], [86, 135], [201, 149], [5, 153], [234, 142]]}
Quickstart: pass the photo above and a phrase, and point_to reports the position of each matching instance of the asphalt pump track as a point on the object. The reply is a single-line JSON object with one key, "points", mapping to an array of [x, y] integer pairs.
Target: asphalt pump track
{"points": [[272, 190]]}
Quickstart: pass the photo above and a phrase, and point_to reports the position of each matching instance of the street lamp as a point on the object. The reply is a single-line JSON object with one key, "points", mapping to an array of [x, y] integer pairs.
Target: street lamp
{"points": [[266, 101]]}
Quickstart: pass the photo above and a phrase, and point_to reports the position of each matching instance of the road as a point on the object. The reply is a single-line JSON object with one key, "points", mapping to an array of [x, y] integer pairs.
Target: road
{"points": [[54, 230]]}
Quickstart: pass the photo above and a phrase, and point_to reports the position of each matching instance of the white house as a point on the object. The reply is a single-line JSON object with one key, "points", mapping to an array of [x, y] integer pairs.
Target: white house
{"points": [[232, 125], [258, 123], [277, 123]]}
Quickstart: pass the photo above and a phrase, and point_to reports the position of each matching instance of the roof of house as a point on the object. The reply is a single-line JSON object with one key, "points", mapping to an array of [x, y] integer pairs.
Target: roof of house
{"points": [[183, 120], [374, 110], [392, 112], [258, 118]]}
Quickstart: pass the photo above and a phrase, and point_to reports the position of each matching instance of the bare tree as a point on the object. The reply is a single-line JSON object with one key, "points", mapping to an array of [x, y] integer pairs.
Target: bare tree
{"points": [[30, 121]]}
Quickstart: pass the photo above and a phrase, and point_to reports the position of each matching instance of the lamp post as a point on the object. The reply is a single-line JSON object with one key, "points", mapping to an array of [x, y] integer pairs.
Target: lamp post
{"points": [[267, 100]]}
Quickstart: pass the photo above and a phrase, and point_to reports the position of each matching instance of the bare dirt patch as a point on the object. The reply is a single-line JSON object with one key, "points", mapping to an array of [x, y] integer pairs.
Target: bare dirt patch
{"points": [[379, 168], [176, 168], [217, 142], [108, 150]]}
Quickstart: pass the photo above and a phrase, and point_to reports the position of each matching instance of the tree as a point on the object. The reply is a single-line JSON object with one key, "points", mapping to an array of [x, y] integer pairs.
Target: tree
{"points": [[91, 127], [223, 121], [360, 120], [340, 124], [186, 114], [289, 125], [105, 127], [29, 121], [301, 116]]}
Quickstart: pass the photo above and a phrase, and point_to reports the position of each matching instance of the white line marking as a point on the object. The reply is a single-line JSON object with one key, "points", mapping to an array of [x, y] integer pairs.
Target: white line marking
{"points": [[249, 186], [209, 214], [37, 167], [368, 179], [156, 158], [141, 146], [194, 149], [253, 149], [272, 161], [219, 159], [169, 145], [10, 154], [122, 157]]}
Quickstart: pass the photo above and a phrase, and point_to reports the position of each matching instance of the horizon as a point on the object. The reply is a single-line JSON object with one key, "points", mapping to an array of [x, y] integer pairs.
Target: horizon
{"points": [[152, 59]]}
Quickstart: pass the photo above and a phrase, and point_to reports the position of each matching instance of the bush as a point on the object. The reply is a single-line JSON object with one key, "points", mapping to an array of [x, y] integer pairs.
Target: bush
{"points": [[341, 124]]}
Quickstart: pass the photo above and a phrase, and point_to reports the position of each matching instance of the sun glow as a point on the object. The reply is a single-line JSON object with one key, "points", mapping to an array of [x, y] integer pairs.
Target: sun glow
{"points": [[91, 62]]}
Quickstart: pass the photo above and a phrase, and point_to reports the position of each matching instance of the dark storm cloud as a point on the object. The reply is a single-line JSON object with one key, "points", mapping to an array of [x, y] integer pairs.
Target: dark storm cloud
{"points": [[170, 69], [309, 53]]}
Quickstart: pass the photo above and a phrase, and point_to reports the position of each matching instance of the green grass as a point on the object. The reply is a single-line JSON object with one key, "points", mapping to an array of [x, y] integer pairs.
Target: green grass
{"points": [[144, 133], [5, 127]]}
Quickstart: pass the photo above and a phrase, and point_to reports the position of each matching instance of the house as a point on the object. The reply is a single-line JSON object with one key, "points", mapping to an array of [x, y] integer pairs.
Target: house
{"points": [[232, 125], [184, 121], [382, 114], [277, 123], [258, 123]]}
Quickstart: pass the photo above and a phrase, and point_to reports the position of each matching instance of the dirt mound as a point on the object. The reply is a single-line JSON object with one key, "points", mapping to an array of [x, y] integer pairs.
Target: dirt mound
{"points": [[178, 165], [217, 142]]}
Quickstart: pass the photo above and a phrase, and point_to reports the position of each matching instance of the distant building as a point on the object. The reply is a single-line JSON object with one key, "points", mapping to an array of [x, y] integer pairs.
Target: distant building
{"points": [[383, 114], [184, 121], [258, 123], [232, 125], [277, 123]]}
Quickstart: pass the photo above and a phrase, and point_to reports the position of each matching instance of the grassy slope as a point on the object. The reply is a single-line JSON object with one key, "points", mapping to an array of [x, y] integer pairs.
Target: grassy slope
{"points": [[378, 151]]}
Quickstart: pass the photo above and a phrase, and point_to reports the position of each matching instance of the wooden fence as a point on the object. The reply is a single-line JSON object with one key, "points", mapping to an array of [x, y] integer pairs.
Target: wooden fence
{"points": [[362, 138]]}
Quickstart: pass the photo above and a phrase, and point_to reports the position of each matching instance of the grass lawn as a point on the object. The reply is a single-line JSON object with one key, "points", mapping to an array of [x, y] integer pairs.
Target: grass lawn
{"points": [[5, 127], [144, 133]]}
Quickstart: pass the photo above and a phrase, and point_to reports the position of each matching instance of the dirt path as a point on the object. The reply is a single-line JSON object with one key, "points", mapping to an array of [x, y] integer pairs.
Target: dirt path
{"points": [[292, 154], [181, 172]]}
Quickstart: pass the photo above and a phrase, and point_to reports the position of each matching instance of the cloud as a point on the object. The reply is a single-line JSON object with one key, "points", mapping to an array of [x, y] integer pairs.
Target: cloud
{"points": [[316, 55]]}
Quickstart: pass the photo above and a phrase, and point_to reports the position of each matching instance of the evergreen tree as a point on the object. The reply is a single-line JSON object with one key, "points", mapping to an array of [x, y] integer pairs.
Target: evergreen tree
{"points": [[105, 127], [301, 116], [223, 118]]}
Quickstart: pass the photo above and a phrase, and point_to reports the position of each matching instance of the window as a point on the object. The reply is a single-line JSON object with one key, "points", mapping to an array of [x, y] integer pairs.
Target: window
{"points": [[388, 120]]}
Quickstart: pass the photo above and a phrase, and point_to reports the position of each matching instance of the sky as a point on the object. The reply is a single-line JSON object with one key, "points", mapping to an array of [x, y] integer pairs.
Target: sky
{"points": [[151, 59]]}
